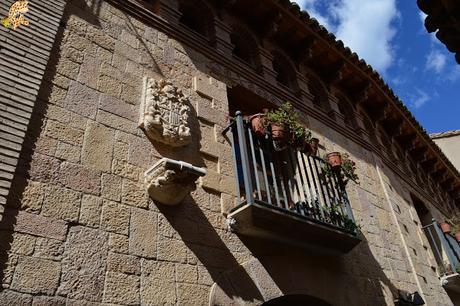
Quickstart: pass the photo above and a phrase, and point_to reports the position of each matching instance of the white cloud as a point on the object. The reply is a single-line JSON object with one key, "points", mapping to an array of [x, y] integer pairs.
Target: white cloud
{"points": [[435, 61], [419, 99], [366, 26]]}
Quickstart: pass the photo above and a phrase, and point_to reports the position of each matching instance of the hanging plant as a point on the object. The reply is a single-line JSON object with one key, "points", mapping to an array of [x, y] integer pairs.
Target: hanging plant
{"points": [[342, 165]]}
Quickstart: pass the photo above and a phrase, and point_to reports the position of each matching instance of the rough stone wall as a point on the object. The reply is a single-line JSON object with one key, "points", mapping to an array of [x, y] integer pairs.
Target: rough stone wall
{"points": [[79, 228]]}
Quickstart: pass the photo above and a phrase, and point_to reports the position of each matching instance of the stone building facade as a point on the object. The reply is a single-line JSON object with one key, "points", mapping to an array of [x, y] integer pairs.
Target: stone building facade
{"points": [[78, 226], [449, 142]]}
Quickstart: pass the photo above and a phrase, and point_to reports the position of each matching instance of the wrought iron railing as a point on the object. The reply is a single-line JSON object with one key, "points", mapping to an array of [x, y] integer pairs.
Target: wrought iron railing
{"points": [[445, 247], [287, 179]]}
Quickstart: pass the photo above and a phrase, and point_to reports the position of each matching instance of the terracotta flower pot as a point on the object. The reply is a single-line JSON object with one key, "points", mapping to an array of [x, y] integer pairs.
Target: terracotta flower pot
{"points": [[457, 236], [278, 131], [334, 159], [314, 142], [257, 123], [445, 227]]}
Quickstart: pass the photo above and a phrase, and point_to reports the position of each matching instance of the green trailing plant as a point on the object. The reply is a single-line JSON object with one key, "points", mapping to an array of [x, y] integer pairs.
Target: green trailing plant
{"points": [[286, 116], [334, 215]]}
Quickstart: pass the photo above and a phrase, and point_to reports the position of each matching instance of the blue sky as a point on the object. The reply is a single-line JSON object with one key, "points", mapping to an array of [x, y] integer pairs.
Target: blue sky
{"points": [[390, 35]]}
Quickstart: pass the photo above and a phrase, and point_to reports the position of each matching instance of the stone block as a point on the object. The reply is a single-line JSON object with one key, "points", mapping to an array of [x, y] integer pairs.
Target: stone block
{"points": [[143, 233], [192, 294], [158, 286], [32, 197], [109, 85], [111, 186], [8, 297], [80, 178], [82, 100], [115, 217], [63, 132], [84, 264], [121, 289], [43, 168], [98, 147], [35, 275], [140, 152], [48, 301], [40, 226], [118, 107], [19, 244], [118, 243], [127, 264], [90, 213], [89, 71], [68, 152], [134, 193], [116, 122], [49, 248], [172, 250], [46, 145], [125, 170], [208, 87], [228, 202], [186, 273], [61, 203], [68, 68]]}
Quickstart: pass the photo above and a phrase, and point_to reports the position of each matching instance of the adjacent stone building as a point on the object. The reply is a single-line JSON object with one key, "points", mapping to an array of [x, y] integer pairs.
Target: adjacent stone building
{"points": [[111, 111], [449, 142]]}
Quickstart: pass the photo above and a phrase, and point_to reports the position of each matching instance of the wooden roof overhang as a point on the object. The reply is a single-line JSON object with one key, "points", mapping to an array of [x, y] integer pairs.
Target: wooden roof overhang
{"points": [[443, 17]]}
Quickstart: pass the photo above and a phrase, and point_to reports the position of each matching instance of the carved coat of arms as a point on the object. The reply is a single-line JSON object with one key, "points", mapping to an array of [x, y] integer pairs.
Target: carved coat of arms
{"points": [[164, 113]]}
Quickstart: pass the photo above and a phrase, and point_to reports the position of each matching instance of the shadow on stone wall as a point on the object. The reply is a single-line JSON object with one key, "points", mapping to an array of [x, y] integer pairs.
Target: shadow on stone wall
{"points": [[201, 238], [34, 130]]}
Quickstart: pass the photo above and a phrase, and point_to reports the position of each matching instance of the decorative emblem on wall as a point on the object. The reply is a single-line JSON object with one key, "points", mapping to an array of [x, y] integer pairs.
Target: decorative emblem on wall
{"points": [[164, 113], [169, 181], [16, 15]]}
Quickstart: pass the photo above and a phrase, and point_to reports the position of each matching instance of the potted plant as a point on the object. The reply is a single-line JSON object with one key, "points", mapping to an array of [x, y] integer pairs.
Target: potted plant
{"points": [[349, 168], [257, 122], [285, 126], [313, 145], [445, 227], [334, 159]]}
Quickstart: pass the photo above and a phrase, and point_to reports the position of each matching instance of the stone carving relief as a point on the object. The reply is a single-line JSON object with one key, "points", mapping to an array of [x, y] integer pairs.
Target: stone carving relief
{"points": [[164, 113], [170, 181]]}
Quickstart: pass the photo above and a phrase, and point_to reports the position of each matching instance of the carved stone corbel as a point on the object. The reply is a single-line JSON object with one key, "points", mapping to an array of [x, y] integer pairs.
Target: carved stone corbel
{"points": [[164, 113], [170, 181]]}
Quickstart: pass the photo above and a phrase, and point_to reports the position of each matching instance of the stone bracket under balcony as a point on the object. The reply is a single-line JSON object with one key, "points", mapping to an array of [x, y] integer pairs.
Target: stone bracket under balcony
{"points": [[170, 181], [269, 222]]}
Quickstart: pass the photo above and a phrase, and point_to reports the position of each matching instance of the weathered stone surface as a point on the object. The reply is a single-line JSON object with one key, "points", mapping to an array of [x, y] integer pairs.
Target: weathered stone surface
{"points": [[68, 152], [18, 243], [115, 217], [123, 169], [191, 294], [121, 289], [158, 287], [186, 273], [82, 100], [97, 147], [32, 197], [172, 250], [64, 132], [8, 297], [127, 264], [134, 194], [90, 213], [43, 168], [143, 233], [118, 243], [49, 248], [111, 186], [40, 226], [80, 178], [118, 107], [61, 203], [89, 71], [84, 264], [35, 275], [116, 122], [48, 301]]}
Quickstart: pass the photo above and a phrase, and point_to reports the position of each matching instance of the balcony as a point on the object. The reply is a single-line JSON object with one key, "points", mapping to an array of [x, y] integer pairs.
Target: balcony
{"points": [[287, 196], [446, 251]]}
